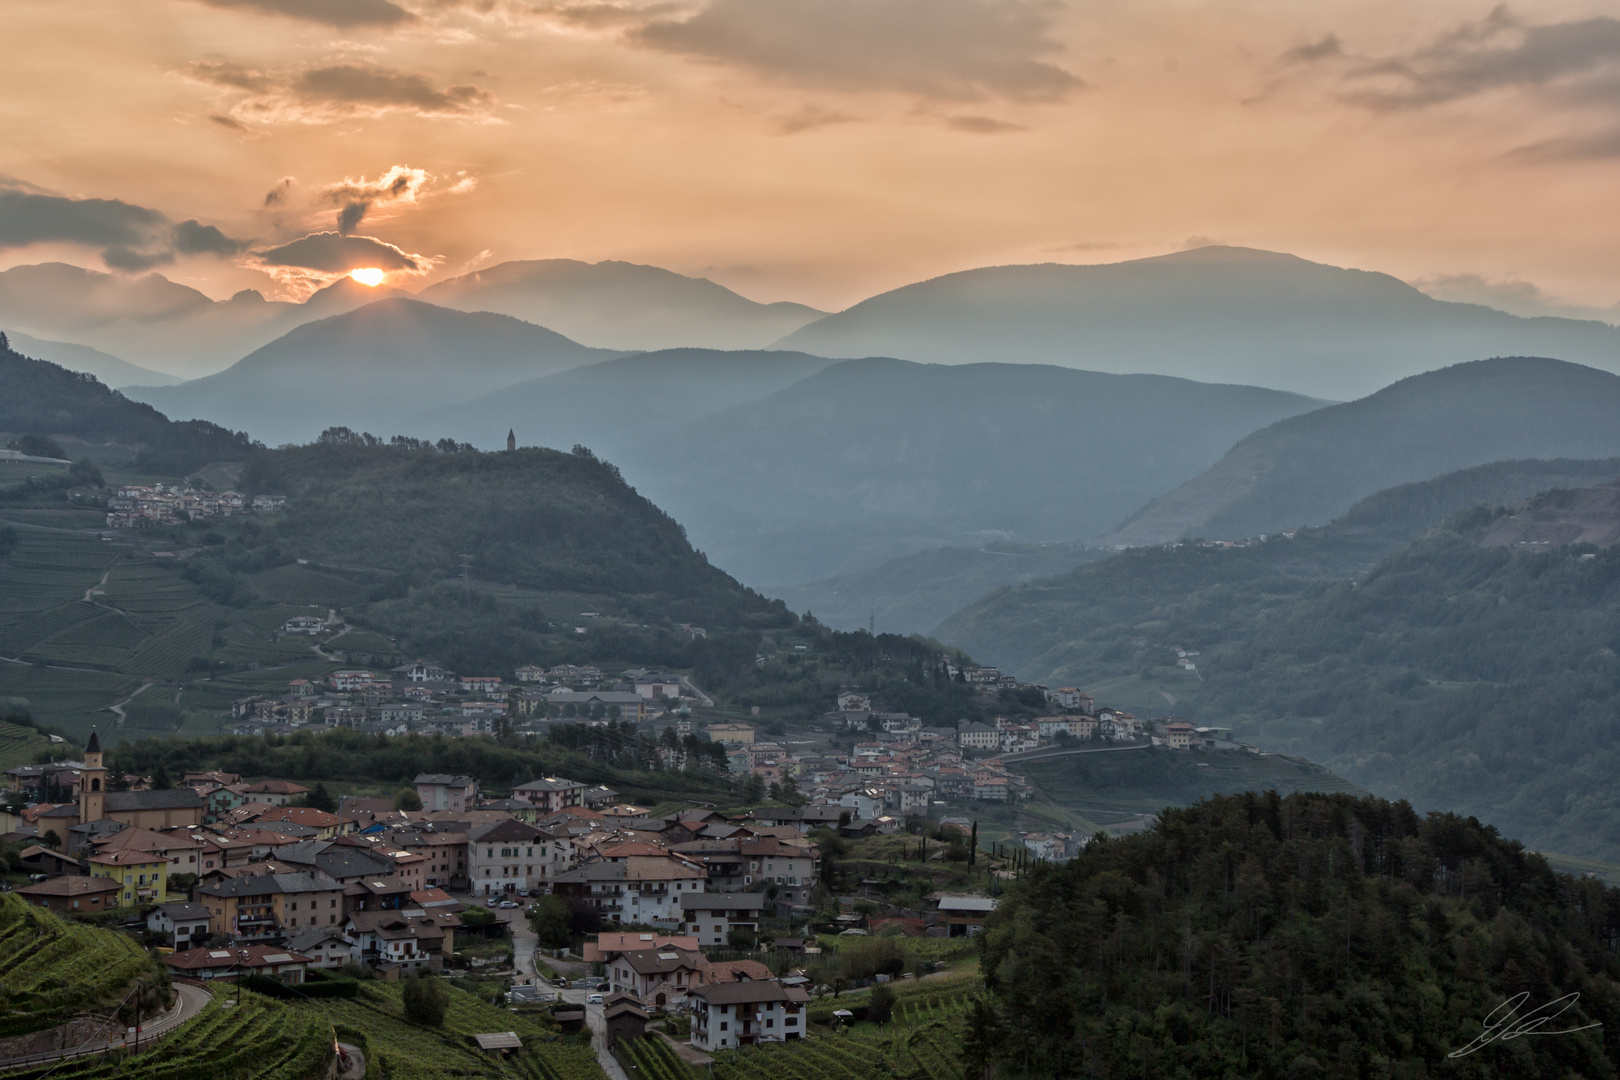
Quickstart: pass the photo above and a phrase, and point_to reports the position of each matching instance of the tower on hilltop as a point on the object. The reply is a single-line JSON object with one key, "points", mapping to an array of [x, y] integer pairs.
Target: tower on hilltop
{"points": [[511, 440]]}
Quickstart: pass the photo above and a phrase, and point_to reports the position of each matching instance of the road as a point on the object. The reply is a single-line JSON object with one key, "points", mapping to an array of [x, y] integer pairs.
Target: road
{"points": [[357, 1062], [1050, 752], [189, 1003]]}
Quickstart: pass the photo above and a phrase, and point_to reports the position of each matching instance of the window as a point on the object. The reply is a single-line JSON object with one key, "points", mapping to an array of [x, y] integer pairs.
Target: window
{"points": [[770, 1023], [723, 1025]]}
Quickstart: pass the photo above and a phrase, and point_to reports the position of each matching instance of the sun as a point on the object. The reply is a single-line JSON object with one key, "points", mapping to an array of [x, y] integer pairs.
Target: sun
{"points": [[367, 275]]}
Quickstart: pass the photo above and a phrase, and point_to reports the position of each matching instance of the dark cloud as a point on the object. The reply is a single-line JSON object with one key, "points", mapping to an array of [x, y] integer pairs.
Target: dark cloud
{"points": [[334, 253], [1326, 47], [1577, 61], [982, 125], [958, 50], [130, 237], [332, 92], [277, 195], [810, 117], [355, 198], [326, 12]]}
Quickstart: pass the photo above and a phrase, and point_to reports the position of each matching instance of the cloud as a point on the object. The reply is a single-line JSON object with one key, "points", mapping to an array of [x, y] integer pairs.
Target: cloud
{"points": [[130, 237], [277, 196], [331, 92], [810, 117], [334, 253], [355, 198], [955, 50], [1510, 294], [1326, 47], [326, 12], [982, 125], [1576, 62]]}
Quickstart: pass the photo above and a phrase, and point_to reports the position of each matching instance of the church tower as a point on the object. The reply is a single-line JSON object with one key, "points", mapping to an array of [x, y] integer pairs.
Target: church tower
{"points": [[92, 782], [511, 439]]}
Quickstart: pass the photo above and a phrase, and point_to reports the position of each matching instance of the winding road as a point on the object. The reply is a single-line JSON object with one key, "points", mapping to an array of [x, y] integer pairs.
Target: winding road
{"points": [[188, 1003]]}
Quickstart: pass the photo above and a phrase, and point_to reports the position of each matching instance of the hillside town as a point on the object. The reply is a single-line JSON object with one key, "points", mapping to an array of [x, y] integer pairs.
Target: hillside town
{"points": [[139, 506]]}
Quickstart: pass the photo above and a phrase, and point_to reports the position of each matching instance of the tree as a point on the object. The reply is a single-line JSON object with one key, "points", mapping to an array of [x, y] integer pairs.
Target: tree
{"points": [[973, 844], [407, 799], [981, 1034], [549, 918], [477, 915], [426, 1000], [51, 840], [880, 1006], [320, 799], [160, 778], [742, 939], [844, 818]]}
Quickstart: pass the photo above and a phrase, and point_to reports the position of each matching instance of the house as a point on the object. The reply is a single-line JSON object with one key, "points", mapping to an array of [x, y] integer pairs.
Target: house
{"points": [[745, 1013], [792, 870], [68, 895], [303, 624], [531, 673], [609, 945], [730, 733], [1178, 734], [142, 875], [634, 883], [864, 802], [42, 860], [964, 915], [421, 671], [273, 792], [657, 976], [508, 856], [181, 923], [441, 790], [232, 963], [326, 946], [394, 942], [550, 793], [711, 917]]}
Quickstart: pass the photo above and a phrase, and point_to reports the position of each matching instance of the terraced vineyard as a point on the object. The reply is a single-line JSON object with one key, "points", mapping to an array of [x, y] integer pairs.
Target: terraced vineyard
{"points": [[51, 968], [929, 1052], [259, 1038], [398, 1050]]}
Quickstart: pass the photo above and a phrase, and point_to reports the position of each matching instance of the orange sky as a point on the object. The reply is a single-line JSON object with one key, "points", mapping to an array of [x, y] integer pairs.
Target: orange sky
{"points": [[822, 150]]}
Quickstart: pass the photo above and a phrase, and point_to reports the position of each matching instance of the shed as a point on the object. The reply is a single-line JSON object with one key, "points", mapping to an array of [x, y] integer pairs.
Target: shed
{"points": [[504, 1041], [625, 1018]]}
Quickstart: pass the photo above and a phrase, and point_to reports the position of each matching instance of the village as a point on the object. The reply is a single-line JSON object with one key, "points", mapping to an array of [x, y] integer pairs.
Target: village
{"points": [[139, 506], [720, 918]]}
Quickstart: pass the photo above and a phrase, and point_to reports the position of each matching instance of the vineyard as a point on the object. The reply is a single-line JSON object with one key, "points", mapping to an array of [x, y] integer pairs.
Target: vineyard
{"points": [[52, 969], [259, 1038], [399, 1050]]}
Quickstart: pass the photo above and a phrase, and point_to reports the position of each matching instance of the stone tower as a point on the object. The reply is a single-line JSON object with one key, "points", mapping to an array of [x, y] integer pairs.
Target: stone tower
{"points": [[92, 782], [511, 440]]}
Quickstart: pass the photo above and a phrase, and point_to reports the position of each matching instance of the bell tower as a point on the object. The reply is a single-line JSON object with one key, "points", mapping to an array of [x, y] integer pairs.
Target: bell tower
{"points": [[92, 782]]}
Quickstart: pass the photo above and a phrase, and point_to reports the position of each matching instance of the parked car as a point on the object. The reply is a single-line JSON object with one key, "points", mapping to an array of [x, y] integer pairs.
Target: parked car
{"points": [[594, 999], [509, 904]]}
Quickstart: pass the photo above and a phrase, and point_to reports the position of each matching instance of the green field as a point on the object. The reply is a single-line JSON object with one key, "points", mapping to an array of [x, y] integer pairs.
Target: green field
{"points": [[51, 968]]}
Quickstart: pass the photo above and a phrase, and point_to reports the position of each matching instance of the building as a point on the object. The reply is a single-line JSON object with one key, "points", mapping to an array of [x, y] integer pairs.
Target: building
{"points": [[730, 733], [273, 792], [977, 736], [625, 1019], [68, 895], [326, 946], [634, 883], [442, 791], [1178, 734], [657, 976], [745, 1013], [711, 917], [141, 875], [550, 793], [267, 906], [232, 963], [964, 915], [397, 942], [507, 856], [182, 923]]}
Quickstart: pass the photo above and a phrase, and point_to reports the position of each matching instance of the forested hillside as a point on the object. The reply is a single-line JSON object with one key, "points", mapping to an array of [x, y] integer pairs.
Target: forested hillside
{"points": [[45, 399], [1307, 936]]}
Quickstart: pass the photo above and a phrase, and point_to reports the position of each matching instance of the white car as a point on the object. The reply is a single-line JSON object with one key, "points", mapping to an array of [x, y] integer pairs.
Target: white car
{"points": [[594, 999], [509, 904]]}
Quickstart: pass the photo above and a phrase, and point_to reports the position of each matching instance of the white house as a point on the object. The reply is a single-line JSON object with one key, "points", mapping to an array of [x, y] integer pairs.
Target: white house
{"points": [[181, 923], [746, 1012]]}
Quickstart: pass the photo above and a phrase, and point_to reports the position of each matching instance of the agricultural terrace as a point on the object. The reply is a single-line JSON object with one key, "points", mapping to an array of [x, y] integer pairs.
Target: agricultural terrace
{"points": [[52, 969]]}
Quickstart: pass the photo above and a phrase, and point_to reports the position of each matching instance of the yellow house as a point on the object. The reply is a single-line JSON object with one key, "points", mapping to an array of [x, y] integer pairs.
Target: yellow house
{"points": [[144, 875], [731, 733]]}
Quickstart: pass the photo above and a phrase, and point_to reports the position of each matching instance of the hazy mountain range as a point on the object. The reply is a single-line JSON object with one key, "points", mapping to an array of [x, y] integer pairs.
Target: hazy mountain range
{"points": [[1216, 314]]}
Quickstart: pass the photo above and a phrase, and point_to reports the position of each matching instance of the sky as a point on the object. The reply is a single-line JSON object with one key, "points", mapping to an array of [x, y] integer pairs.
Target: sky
{"points": [[813, 150]]}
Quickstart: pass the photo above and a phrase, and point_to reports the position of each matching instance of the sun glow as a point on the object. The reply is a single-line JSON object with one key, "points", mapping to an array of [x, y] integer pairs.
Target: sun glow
{"points": [[367, 275]]}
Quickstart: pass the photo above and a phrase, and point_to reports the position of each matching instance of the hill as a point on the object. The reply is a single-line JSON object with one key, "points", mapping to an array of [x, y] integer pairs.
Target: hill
{"points": [[1123, 617], [653, 396], [371, 368], [107, 368], [870, 459], [52, 969], [42, 398], [1217, 314], [1312, 935], [1307, 470], [914, 593], [620, 305]]}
